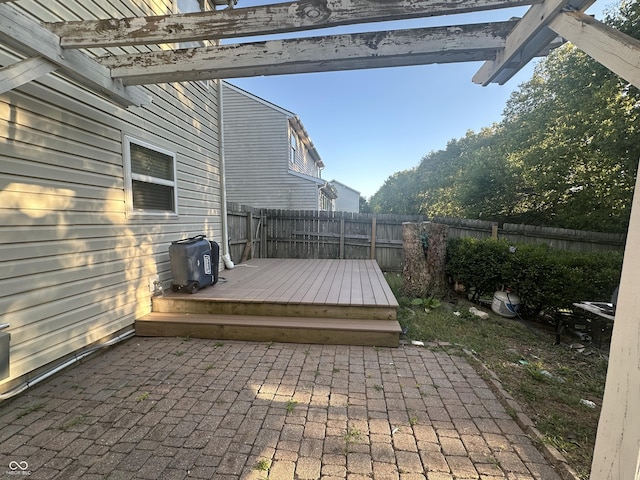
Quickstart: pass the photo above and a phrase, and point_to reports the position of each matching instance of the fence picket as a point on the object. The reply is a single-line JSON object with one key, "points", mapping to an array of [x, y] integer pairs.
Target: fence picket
{"points": [[313, 234]]}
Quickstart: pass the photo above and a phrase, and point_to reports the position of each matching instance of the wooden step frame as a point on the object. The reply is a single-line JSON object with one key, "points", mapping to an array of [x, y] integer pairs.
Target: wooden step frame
{"points": [[333, 331], [287, 300]]}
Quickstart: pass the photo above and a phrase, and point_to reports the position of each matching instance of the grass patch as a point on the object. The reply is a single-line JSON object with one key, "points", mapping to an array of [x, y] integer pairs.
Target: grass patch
{"points": [[262, 465], [291, 406], [142, 397], [548, 381], [352, 436], [79, 420], [30, 409]]}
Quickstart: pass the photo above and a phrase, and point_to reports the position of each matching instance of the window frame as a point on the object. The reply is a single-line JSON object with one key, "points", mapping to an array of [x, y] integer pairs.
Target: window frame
{"points": [[293, 148], [130, 176]]}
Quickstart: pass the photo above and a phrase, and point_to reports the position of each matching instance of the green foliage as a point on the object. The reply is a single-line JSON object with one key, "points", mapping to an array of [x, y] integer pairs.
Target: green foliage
{"points": [[545, 279], [428, 304], [364, 205], [398, 195], [480, 265], [565, 153]]}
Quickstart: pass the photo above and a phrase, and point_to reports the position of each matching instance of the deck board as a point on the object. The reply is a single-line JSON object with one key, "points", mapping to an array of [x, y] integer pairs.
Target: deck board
{"points": [[379, 287], [300, 281], [322, 276], [299, 292]]}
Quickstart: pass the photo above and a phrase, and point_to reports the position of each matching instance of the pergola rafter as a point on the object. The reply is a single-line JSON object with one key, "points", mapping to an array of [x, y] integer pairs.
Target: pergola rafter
{"points": [[23, 72], [527, 39], [66, 46], [261, 20], [619, 52], [321, 54], [33, 40]]}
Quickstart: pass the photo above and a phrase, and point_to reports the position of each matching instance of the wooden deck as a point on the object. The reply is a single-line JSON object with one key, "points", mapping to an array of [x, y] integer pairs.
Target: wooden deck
{"points": [[305, 301]]}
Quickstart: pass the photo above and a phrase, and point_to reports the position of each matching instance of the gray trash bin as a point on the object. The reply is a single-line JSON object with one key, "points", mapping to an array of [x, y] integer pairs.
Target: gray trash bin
{"points": [[193, 265]]}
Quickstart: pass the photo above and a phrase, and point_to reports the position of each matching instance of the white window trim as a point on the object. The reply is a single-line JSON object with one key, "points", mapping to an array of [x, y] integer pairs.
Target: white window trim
{"points": [[293, 148], [129, 176]]}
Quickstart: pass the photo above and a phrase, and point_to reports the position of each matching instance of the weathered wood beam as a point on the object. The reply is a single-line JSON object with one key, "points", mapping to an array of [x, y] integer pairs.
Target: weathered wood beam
{"points": [[23, 72], [317, 54], [618, 52], [528, 39], [31, 39], [259, 20]]}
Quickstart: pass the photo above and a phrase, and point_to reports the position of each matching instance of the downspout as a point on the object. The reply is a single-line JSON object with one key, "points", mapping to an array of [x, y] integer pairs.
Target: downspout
{"points": [[226, 255]]}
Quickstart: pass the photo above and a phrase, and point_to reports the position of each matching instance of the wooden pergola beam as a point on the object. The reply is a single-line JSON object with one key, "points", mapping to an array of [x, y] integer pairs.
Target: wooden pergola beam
{"points": [[618, 52], [259, 20], [31, 39], [317, 54], [527, 40], [23, 72]]}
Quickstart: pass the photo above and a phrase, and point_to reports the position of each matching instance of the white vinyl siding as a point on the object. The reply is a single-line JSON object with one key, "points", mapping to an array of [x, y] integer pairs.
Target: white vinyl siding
{"points": [[300, 159], [348, 199], [74, 268], [257, 147]]}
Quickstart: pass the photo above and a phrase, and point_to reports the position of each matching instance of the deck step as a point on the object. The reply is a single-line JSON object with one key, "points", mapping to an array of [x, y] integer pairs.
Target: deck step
{"points": [[185, 303], [328, 331]]}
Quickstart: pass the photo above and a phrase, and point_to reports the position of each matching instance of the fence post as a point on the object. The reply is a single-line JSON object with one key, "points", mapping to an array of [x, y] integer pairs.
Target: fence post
{"points": [[248, 247], [373, 238], [263, 235], [341, 237], [494, 231]]}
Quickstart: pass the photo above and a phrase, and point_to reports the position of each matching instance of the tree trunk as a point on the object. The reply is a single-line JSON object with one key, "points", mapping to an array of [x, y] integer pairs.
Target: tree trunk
{"points": [[423, 270]]}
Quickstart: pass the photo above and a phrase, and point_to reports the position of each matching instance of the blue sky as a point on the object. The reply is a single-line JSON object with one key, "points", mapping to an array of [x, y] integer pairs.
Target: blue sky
{"points": [[368, 124]]}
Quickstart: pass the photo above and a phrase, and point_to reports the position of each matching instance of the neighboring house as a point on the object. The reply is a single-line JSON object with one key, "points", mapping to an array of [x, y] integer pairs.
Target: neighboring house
{"points": [[348, 199], [270, 160], [91, 196]]}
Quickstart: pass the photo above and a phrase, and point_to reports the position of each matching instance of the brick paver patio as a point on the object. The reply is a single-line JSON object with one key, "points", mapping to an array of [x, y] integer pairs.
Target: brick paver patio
{"points": [[170, 408]]}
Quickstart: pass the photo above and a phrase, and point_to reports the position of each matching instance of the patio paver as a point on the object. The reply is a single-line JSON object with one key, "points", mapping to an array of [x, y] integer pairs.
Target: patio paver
{"points": [[161, 408]]}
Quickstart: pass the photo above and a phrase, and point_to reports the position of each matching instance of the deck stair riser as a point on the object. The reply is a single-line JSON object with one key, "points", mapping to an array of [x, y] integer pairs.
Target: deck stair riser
{"points": [[333, 331], [188, 304]]}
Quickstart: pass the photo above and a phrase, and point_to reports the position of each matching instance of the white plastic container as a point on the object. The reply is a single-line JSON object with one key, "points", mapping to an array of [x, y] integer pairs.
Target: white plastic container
{"points": [[505, 304]]}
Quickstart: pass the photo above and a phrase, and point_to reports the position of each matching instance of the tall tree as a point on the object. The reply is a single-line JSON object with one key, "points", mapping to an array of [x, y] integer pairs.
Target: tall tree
{"points": [[565, 154], [398, 194]]}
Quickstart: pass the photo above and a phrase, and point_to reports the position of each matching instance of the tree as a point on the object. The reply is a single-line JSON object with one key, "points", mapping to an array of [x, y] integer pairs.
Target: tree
{"points": [[398, 194], [565, 153], [364, 205]]}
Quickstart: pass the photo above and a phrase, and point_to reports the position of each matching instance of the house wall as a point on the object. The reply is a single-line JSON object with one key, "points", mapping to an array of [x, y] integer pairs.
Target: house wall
{"points": [[256, 142], [348, 199], [304, 162], [74, 267]]}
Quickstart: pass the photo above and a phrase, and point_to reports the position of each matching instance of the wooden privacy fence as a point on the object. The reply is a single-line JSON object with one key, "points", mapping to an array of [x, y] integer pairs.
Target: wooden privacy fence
{"points": [[267, 233], [560, 238]]}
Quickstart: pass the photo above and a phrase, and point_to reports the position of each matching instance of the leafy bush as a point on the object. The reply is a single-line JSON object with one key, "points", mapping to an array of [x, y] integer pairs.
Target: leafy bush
{"points": [[479, 265], [546, 279]]}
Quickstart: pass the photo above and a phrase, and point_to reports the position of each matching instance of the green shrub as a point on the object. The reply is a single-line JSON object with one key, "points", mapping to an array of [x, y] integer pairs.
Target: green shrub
{"points": [[546, 279], [477, 264]]}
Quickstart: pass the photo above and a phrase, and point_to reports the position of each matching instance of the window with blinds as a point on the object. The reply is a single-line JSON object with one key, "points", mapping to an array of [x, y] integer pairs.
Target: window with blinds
{"points": [[151, 178]]}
